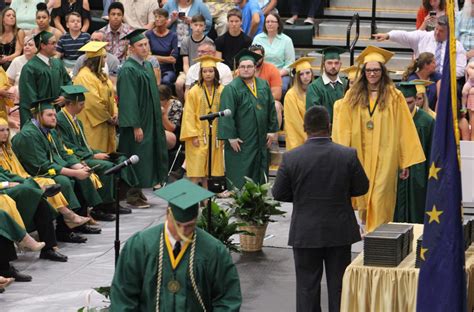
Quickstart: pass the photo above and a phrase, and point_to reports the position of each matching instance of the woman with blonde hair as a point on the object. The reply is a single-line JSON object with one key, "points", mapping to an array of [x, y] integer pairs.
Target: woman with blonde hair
{"points": [[421, 100], [203, 98], [295, 102], [374, 118]]}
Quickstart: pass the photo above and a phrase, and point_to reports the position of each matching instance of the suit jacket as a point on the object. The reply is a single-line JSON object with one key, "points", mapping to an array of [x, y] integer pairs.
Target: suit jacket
{"points": [[320, 177]]}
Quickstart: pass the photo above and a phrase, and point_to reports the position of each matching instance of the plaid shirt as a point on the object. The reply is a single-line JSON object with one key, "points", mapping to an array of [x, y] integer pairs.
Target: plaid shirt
{"points": [[465, 31], [116, 46]]}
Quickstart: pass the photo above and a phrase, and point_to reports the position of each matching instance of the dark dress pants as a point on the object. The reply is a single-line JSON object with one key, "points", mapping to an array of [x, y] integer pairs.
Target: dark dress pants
{"points": [[309, 271], [7, 253]]}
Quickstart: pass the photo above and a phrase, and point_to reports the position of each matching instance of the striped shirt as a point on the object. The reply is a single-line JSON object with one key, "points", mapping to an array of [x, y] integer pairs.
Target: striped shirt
{"points": [[69, 46]]}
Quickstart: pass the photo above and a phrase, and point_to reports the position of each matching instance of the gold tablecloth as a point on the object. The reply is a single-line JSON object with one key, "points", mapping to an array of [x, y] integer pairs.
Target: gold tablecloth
{"points": [[370, 288]]}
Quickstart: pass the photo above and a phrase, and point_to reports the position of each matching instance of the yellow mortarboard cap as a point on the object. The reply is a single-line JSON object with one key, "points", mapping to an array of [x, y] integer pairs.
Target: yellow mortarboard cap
{"points": [[351, 72], [183, 197], [208, 60], [421, 85], [302, 63], [374, 54], [94, 48]]}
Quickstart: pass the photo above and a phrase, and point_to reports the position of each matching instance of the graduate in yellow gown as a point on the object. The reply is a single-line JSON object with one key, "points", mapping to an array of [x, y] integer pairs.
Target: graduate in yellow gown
{"points": [[421, 100], [202, 99], [374, 119], [295, 102], [100, 114], [10, 162]]}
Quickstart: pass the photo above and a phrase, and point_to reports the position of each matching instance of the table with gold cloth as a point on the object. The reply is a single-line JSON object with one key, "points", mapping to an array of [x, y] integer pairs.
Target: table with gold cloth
{"points": [[371, 288]]}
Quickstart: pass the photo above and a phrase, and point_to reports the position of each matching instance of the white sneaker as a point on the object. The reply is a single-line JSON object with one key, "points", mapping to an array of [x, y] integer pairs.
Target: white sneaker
{"points": [[290, 21], [309, 21]]}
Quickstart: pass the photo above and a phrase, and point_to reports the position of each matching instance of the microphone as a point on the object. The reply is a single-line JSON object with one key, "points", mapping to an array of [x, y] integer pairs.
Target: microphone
{"points": [[131, 161], [225, 113]]}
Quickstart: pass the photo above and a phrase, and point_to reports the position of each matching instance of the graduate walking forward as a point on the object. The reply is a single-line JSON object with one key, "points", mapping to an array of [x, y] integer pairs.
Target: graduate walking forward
{"points": [[252, 128], [176, 267], [141, 129], [42, 76]]}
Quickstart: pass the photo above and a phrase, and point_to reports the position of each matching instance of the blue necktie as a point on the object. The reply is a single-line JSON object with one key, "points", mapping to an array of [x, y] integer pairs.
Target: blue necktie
{"points": [[438, 56]]}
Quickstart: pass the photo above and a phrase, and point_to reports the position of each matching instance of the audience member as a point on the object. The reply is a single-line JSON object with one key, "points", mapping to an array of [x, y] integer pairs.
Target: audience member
{"points": [[42, 76], [464, 28], [43, 20], [435, 42], [164, 46], [268, 6], [115, 30], [467, 100], [424, 67], [26, 12], [296, 6], [139, 15], [234, 40], [252, 17], [279, 49], [295, 102], [10, 46], [251, 129], [374, 114], [428, 13], [203, 98], [64, 7], [69, 44], [219, 10]]}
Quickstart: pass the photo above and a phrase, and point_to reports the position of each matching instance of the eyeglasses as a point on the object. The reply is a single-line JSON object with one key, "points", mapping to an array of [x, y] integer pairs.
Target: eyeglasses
{"points": [[271, 22], [246, 66], [373, 70]]}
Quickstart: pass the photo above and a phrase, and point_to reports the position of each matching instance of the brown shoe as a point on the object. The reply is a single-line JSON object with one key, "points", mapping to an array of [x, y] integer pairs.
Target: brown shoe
{"points": [[138, 203]]}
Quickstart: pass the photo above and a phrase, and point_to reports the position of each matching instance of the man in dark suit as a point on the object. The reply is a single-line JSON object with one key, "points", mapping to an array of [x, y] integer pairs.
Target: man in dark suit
{"points": [[320, 177]]}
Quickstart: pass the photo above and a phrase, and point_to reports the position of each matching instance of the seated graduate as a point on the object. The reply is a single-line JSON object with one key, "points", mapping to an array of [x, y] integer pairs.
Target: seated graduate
{"points": [[72, 133], [50, 158], [175, 266]]}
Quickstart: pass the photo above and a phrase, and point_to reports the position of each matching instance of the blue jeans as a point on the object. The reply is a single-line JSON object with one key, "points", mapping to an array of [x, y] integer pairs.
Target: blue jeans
{"points": [[168, 77], [106, 4], [297, 6]]}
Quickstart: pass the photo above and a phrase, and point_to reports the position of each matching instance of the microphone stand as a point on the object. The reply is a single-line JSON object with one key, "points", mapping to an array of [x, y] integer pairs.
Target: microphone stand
{"points": [[117, 216], [209, 173]]}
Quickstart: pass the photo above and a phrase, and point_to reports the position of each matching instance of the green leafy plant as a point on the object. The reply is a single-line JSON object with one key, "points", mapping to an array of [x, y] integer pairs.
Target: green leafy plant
{"points": [[222, 227], [253, 204]]}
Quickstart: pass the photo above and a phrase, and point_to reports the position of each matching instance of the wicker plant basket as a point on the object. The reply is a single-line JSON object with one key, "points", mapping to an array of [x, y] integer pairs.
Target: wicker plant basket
{"points": [[252, 243]]}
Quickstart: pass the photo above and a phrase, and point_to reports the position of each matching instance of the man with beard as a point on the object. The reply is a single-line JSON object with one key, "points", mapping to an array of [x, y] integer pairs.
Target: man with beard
{"points": [[328, 88], [251, 129]]}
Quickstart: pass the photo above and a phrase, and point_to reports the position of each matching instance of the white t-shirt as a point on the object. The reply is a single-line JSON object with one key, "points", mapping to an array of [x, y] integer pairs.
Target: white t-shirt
{"points": [[14, 70], [225, 74]]}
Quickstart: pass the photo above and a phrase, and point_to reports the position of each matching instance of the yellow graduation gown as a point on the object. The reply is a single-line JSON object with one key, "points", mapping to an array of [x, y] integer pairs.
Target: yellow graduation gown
{"points": [[99, 107], [5, 84], [8, 205], [10, 162], [192, 127], [391, 145], [294, 110]]}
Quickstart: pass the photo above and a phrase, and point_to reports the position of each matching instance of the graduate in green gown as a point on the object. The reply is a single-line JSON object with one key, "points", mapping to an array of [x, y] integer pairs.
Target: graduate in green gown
{"points": [[51, 159], [141, 129], [176, 267], [328, 88], [411, 193], [72, 134], [42, 76], [252, 128]]}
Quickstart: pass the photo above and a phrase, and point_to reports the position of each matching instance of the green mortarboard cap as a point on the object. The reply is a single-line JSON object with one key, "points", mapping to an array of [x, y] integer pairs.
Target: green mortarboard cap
{"points": [[183, 197], [134, 36], [41, 105], [332, 53], [246, 55], [42, 37], [408, 88], [74, 92]]}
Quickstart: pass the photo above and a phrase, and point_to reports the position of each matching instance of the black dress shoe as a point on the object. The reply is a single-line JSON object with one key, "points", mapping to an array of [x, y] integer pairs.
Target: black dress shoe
{"points": [[70, 238], [100, 215], [52, 190], [87, 229], [2, 290], [111, 209], [19, 277], [53, 255]]}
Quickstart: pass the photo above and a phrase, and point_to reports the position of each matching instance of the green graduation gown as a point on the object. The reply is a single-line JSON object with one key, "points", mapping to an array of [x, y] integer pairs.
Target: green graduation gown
{"points": [[135, 280], [76, 142], [40, 81], [325, 95], [139, 107], [51, 155], [9, 228], [411, 193], [252, 118]]}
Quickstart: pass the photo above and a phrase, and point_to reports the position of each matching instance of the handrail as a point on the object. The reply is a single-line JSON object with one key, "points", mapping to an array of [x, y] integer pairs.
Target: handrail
{"points": [[373, 25], [351, 45]]}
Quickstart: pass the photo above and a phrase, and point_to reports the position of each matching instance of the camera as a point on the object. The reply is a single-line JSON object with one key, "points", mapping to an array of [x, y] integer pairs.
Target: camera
{"points": [[432, 13], [181, 15]]}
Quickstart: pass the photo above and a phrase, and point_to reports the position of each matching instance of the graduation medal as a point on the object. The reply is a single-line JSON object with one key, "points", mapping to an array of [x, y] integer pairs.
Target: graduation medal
{"points": [[173, 286], [370, 125]]}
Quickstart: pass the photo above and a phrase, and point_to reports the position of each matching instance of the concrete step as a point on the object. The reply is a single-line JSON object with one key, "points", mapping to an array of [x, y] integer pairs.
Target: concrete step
{"points": [[365, 11], [334, 27], [381, 4], [363, 42]]}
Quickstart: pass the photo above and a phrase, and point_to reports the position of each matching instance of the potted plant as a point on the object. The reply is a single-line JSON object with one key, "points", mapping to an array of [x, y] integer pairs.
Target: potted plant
{"points": [[222, 227], [253, 205]]}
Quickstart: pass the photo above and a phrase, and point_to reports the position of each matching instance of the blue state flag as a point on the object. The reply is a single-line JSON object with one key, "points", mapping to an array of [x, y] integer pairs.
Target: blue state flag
{"points": [[442, 279]]}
